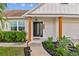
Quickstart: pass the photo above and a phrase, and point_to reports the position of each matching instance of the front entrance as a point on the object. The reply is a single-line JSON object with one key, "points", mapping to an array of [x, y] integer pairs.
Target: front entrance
{"points": [[37, 29]]}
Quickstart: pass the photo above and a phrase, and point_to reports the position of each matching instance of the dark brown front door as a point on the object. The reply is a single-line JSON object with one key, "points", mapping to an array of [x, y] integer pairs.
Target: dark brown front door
{"points": [[38, 29]]}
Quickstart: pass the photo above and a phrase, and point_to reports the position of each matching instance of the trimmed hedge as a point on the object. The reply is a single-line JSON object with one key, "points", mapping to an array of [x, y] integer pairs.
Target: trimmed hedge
{"points": [[12, 36]]}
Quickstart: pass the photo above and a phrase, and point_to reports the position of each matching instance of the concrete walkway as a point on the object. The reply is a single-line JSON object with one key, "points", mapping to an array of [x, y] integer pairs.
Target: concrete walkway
{"points": [[38, 50]]}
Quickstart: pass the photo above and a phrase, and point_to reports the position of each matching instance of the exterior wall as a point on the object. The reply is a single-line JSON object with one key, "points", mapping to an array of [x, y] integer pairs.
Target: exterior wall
{"points": [[8, 27], [49, 27], [57, 8], [70, 27]]}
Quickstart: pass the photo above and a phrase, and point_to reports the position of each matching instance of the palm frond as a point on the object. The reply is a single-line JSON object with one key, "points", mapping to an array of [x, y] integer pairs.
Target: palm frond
{"points": [[2, 18]]}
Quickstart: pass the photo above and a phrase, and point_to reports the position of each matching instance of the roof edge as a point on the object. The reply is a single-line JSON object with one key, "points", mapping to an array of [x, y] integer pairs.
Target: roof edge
{"points": [[14, 17], [33, 9]]}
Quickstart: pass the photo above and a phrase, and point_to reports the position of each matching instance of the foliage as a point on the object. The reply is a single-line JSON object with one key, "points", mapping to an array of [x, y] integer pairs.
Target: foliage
{"points": [[64, 46], [20, 36], [51, 46], [61, 51], [2, 7], [1, 36], [2, 18], [65, 52], [77, 46], [50, 39], [12, 36], [49, 43], [64, 42]]}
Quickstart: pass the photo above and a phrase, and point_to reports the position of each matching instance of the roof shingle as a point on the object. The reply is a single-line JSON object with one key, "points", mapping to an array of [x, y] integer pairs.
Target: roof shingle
{"points": [[14, 13]]}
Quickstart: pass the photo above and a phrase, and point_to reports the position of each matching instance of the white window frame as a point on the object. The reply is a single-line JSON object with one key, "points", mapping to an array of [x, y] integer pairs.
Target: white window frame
{"points": [[17, 21], [18, 25]]}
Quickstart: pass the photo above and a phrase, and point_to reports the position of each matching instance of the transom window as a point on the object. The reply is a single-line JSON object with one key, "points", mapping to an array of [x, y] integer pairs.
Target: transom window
{"points": [[17, 25]]}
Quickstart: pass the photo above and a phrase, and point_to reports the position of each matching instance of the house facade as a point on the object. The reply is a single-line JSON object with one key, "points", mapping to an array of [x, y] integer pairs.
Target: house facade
{"points": [[15, 21], [49, 20]]}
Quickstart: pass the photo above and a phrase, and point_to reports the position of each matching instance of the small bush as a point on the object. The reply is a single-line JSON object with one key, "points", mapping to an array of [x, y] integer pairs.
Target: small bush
{"points": [[20, 36], [64, 42], [65, 47], [61, 51], [1, 36], [49, 43], [12, 36], [50, 39], [77, 46], [51, 46]]}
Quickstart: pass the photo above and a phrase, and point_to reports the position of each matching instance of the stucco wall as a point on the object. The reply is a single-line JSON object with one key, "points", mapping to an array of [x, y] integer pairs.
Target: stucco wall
{"points": [[70, 27], [49, 27]]}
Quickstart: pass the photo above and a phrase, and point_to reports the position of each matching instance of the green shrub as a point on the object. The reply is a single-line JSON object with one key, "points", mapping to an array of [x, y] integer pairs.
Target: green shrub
{"points": [[45, 42], [77, 46], [63, 47], [64, 42], [12, 36], [1, 36], [50, 39], [51, 46], [21, 36], [49, 43], [73, 54], [65, 52], [7, 37], [61, 51]]}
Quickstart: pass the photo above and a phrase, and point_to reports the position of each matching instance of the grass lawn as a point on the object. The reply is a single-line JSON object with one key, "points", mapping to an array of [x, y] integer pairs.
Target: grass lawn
{"points": [[11, 51]]}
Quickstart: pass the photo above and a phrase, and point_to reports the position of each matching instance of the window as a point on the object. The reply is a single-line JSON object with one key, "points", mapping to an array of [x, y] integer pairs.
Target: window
{"points": [[13, 25], [21, 25], [17, 25]]}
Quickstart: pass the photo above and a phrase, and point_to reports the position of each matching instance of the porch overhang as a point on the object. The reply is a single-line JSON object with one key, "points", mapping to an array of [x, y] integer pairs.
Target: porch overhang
{"points": [[52, 15], [59, 16]]}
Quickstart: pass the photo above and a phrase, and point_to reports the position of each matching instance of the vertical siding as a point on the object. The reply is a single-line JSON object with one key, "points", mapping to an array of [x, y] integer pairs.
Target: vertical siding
{"points": [[56, 8]]}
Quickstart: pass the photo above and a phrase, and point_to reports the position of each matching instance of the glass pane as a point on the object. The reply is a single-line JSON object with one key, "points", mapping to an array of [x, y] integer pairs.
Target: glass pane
{"points": [[37, 28], [14, 28], [21, 25], [21, 28], [13, 25]]}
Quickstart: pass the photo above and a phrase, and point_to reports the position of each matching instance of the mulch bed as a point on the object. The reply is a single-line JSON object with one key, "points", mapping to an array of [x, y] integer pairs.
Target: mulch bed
{"points": [[51, 52]]}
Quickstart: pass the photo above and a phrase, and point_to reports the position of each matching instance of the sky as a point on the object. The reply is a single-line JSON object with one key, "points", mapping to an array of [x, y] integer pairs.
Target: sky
{"points": [[20, 6]]}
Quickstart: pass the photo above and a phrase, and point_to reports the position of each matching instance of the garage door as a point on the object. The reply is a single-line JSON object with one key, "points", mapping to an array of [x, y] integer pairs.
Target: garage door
{"points": [[71, 30]]}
